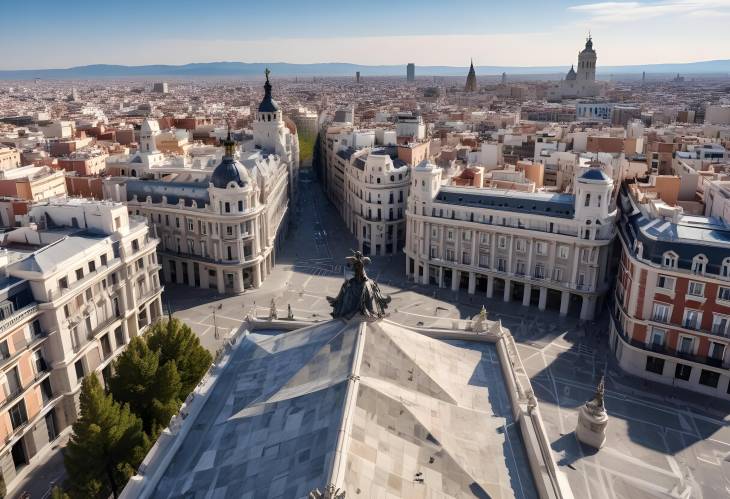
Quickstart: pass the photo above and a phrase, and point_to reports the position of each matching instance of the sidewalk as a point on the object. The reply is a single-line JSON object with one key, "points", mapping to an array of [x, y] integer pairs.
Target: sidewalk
{"points": [[47, 470]]}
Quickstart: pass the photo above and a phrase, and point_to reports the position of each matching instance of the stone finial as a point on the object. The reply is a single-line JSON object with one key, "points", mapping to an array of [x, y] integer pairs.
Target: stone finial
{"points": [[273, 313], [330, 492]]}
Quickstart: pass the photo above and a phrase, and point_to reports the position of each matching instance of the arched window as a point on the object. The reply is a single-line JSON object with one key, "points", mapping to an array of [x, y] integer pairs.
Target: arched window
{"points": [[699, 263], [725, 269], [588, 199], [669, 260]]}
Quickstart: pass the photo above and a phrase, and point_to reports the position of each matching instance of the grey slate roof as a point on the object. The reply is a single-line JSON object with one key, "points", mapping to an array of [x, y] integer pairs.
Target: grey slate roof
{"points": [[688, 238], [538, 203], [156, 189]]}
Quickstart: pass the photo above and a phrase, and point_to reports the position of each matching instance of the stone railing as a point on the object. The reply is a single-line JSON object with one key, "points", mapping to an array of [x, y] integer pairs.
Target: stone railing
{"points": [[18, 317]]}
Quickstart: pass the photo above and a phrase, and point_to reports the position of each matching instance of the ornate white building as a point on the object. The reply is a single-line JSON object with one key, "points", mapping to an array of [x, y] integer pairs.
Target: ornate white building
{"points": [[546, 249], [580, 82], [376, 189], [219, 229]]}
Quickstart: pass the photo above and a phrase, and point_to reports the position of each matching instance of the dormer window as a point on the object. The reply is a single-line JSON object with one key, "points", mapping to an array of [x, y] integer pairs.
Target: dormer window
{"points": [[699, 263], [725, 269], [669, 260]]}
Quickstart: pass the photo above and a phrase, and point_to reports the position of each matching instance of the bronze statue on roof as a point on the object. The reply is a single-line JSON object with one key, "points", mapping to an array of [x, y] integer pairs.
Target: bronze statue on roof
{"points": [[359, 294]]}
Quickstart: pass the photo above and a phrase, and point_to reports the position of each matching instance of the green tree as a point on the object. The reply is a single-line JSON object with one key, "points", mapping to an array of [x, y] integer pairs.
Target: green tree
{"points": [[58, 493], [152, 392], [106, 446], [176, 342]]}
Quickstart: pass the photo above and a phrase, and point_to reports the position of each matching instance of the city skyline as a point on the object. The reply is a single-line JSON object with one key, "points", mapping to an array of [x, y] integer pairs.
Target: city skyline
{"points": [[324, 32]]}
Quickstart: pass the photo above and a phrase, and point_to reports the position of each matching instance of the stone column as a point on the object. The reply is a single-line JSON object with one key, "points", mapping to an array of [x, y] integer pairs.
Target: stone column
{"points": [[543, 298], [237, 282], [425, 273], [204, 283], [507, 290], [564, 302], [472, 282], [256, 275], [490, 287], [166, 262], [588, 307], [441, 277], [178, 271], [526, 295], [221, 281], [191, 274], [455, 279]]}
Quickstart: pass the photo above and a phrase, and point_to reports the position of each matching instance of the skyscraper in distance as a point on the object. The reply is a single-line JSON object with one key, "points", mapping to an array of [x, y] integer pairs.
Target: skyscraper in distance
{"points": [[411, 72]]}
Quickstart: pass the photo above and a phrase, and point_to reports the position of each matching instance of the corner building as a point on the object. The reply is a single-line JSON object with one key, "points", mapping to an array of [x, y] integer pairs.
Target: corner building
{"points": [[549, 250], [670, 317]]}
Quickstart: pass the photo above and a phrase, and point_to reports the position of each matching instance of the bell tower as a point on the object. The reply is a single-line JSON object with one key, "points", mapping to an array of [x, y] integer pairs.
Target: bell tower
{"points": [[587, 62]]}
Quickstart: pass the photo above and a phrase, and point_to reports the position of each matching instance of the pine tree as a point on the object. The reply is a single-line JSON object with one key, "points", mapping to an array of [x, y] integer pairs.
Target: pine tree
{"points": [[106, 446], [152, 392], [176, 342]]}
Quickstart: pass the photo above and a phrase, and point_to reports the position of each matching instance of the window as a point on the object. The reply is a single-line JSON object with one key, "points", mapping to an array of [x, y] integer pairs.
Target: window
{"points": [[698, 264], [501, 264], [466, 258], [520, 268], [709, 378], [696, 288], [588, 200], [92, 267], [520, 245], [717, 351], [539, 271], [682, 371], [541, 248], [229, 230], [18, 415], [135, 242], [692, 319], [558, 274], [720, 324], [669, 260], [103, 259], [661, 312], [466, 235], [665, 282], [686, 345], [654, 364], [240, 205], [227, 206], [563, 252], [63, 283], [657, 337], [484, 260], [723, 294], [450, 235], [434, 252], [484, 238], [725, 269], [190, 225], [79, 367], [502, 242]]}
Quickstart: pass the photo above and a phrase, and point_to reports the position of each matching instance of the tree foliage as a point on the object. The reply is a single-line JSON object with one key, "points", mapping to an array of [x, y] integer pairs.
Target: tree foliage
{"points": [[176, 342], [151, 390], [108, 443]]}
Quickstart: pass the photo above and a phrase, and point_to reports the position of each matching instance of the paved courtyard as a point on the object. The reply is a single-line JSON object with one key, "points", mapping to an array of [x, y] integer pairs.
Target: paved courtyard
{"points": [[662, 442]]}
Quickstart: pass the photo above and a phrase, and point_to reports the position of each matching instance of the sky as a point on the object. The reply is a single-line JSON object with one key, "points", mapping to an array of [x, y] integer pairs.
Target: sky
{"points": [[65, 33]]}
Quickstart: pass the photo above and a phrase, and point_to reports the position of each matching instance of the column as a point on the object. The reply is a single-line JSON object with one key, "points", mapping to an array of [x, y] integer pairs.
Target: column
{"points": [[408, 265], [526, 295], [221, 281], [472, 282], [237, 282], [191, 274], [564, 302], [543, 298], [178, 271], [441, 277], [455, 279], [425, 273], [587, 308], [204, 283], [507, 290], [256, 275], [490, 287], [166, 269]]}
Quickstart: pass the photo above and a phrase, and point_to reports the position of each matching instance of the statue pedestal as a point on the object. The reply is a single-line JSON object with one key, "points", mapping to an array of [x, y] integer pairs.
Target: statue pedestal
{"points": [[592, 423]]}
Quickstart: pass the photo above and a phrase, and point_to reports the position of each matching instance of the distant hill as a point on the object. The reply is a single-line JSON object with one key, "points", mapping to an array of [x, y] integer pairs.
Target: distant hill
{"points": [[245, 69]]}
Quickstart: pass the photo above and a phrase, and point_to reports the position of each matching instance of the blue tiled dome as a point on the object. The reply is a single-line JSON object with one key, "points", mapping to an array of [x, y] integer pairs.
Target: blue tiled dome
{"points": [[229, 170], [595, 174]]}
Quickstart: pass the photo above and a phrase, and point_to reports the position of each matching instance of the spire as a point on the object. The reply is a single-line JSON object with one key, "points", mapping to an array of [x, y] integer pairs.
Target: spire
{"points": [[268, 105], [229, 143], [267, 85]]}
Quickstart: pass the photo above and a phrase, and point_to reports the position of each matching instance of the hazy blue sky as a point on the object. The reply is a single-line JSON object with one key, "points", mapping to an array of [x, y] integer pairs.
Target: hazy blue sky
{"points": [[62, 33]]}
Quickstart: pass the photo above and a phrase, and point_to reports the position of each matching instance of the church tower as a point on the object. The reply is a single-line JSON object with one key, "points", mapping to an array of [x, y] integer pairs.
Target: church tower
{"points": [[471, 80], [587, 62], [268, 128]]}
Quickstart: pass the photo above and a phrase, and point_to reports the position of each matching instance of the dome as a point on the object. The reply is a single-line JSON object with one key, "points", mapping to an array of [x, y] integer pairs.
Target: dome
{"points": [[268, 105], [229, 170], [595, 174], [589, 45], [571, 74]]}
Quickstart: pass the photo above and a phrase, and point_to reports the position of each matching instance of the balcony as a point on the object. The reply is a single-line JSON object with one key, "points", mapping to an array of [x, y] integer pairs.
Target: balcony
{"points": [[18, 317]]}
